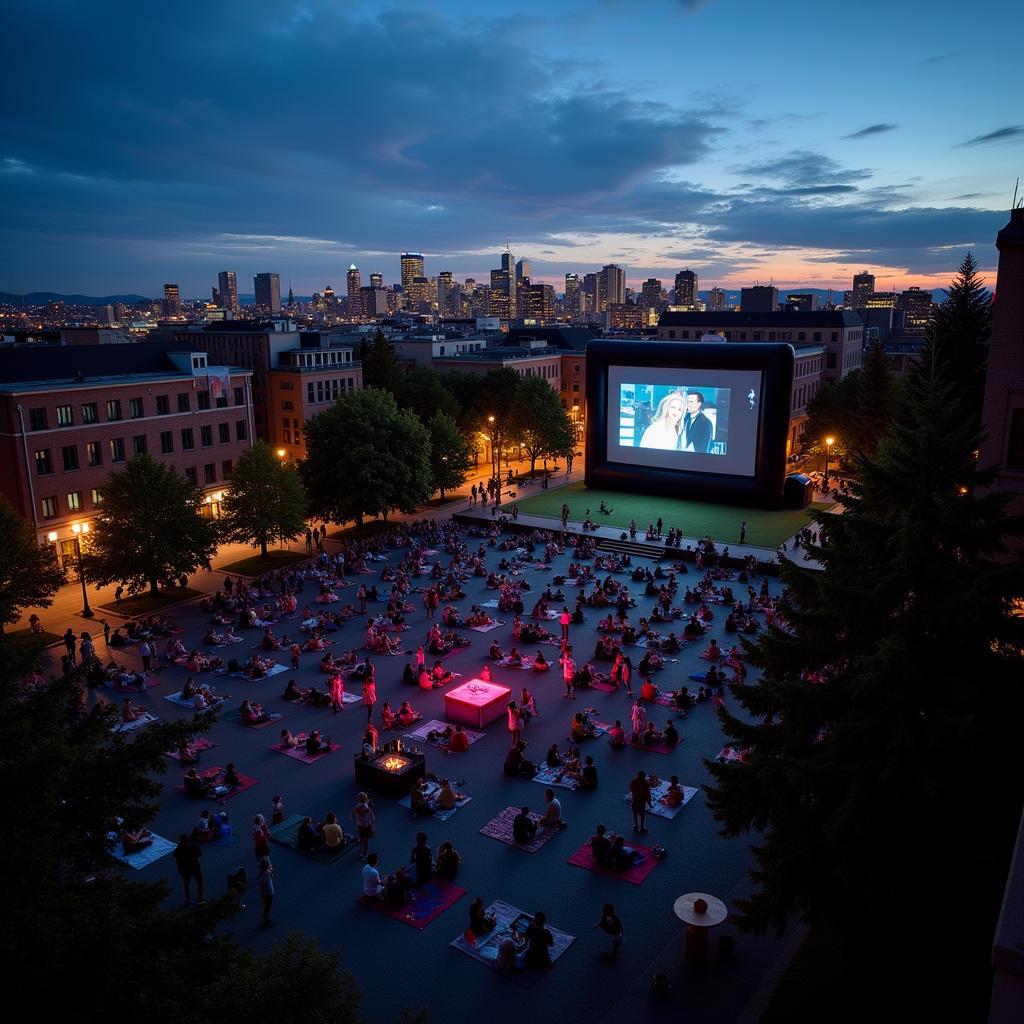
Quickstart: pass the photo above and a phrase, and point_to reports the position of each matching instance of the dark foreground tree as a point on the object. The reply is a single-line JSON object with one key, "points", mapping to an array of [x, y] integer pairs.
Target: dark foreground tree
{"points": [[148, 528], [381, 368], [877, 773], [832, 413], [876, 393], [449, 454], [29, 573], [365, 457], [265, 500], [423, 391], [962, 329], [539, 422]]}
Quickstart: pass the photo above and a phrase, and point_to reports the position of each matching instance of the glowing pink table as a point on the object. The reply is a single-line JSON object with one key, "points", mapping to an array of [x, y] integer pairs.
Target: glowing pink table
{"points": [[476, 703]]}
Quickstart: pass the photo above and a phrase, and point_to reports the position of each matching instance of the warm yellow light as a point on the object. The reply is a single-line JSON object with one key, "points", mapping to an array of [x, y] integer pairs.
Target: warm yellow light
{"points": [[830, 441], [85, 527], [281, 453], [52, 536], [76, 527], [490, 419]]}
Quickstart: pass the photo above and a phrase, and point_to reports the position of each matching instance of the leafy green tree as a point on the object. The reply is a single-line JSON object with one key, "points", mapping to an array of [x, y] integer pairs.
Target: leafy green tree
{"points": [[491, 413], [449, 454], [265, 500], [381, 368], [538, 420], [832, 413], [29, 572], [148, 528], [875, 397], [365, 456], [962, 329], [423, 391], [900, 663]]}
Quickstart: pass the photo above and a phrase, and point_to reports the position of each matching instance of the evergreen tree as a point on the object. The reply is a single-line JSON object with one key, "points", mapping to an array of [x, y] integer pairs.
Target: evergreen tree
{"points": [[365, 456], [148, 528], [832, 413], [539, 422], [449, 454], [265, 500], [29, 573], [875, 398], [381, 368], [961, 331], [885, 800]]}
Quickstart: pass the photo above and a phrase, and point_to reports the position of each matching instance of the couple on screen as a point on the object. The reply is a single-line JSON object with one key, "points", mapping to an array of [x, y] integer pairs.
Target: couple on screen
{"points": [[679, 424]]}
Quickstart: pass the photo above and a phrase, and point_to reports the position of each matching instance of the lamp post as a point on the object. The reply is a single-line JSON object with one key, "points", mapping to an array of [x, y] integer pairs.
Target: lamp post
{"points": [[829, 441], [78, 529]]}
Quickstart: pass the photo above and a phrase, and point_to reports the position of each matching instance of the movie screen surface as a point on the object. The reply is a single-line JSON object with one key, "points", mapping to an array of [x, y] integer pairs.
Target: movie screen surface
{"points": [[700, 420]]}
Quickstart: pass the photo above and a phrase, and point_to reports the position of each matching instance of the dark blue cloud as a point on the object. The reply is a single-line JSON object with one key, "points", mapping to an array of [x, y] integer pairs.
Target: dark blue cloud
{"points": [[872, 129], [1010, 133]]}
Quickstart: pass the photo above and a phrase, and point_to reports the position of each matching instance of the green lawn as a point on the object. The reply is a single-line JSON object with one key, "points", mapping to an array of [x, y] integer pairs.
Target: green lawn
{"points": [[144, 604], [765, 528], [254, 565], [44, 639]]}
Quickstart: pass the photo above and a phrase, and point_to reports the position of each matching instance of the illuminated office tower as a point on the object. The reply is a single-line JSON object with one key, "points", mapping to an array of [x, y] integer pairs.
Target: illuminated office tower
{"points": [[418, 295], [412, 266], [354, 284], [445, 286], [501, 294], [863, 286], [686, 289], [716, 300], [227, 287], [522, 271], [172, 300], [572, 294], [611, 287], [267, 289], [588, 297], [376, 280], [917, 309], [650, 294]]}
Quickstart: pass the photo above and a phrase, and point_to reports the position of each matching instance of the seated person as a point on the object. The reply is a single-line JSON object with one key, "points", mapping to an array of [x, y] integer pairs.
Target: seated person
{"points": [[511, 951], [516, 764], [620, 856], [316, 744], [292, 692], [373, 887], [331, 833], [187, 753], [581, 728], [440, 675], [396, 889], [524, 828], [540, 663], [419, 803], [552, 817], [409, 675], [308, 838], [617, 735], [459, 743], [480, 922], [196, 786], [494, 652], [387, 716], [648, 690], [231, 778], [514, 657], [651, 737], [131, 712], [670, 735], [588, 774], [684, 699], [406, 716], [553, 758], [253, 713], [485, 673], [448, 860], [133, 841], [447, 798], [600, 844], [205, 828], [674, 794]]}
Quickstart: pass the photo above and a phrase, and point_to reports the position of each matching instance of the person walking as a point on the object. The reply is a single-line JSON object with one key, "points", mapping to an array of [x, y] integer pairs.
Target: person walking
{"points": [[612, 927], [640, 801], [186, 857], [627, 674], [260, 838], [369, 696], [568, 672], [146, 653], [265, 880], [365, 822], [515, 722], [337, 692], [69, 643], [658, 525], [564, 619]]}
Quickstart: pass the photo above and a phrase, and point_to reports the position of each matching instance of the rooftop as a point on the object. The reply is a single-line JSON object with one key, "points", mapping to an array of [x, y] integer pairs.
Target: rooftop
{"points": [[789, 318]]}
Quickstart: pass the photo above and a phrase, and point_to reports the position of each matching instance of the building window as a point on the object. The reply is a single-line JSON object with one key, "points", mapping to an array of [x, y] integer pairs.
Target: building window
{"points": [[210, 472], [224, 432], [287, 435], [298, 437], [183, 403], [114, 409], [44, 467], [166, 442], [288, 406], [49, 508], [1015, 449], [139, 444], [206, 436], [239, 396], [97, 497], [117, 449], [190, 475], [310, 393], [576, 389], [287, 385], [75, 501], [90, 413], [830, 360], [136, 408], [163, 405], [203, 399], [70, 455], [37, 419], [187, 441], [65, 417], [225, 468], [239, 430], [94, 453], [835, 335]]}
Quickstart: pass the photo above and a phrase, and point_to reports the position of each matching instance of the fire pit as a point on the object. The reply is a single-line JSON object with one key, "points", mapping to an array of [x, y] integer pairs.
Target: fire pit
{"points": [[391, 770]]}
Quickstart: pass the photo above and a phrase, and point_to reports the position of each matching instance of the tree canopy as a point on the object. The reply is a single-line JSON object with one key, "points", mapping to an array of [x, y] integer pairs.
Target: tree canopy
{"points": [[365, 456], [538, 421], [264, 501], [29, 572], [381, 368], [449, 454], [148, 528], [888, 686], [423, 391]]}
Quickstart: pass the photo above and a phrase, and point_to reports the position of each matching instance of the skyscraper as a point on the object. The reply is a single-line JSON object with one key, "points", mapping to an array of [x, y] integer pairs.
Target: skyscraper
{"points": [[522, 270], [761, 298], [502, 302], [716, 300], [227, 286], [354, 282], [572, 294], [588, 298], [172, 300], [650, 294], [267, 288], [863, 286], [444, 293], [376, 280], [917, 309], [686, 289], [611, 287], [412, 266]]}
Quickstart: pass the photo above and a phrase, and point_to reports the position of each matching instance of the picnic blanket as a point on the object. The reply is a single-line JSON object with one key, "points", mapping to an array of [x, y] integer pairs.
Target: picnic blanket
{"points": [[298, 753], [426, 902], [235, 715], [493, 603], [186, 702], [146, 718], [247, 782], [494, 624], [657, 748], [160, 847], [660, 809], [274, 670], [527, 663], [634, 874], [287, 834], [198, 745], [555, 777], [604, 687], [731, 755], [149, 682], [484, 948], [432, 789], [421, 731], [500, 828]]}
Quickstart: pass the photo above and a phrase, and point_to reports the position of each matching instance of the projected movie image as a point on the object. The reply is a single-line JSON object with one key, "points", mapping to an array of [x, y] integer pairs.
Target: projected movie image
{"points": [[695, 420]]}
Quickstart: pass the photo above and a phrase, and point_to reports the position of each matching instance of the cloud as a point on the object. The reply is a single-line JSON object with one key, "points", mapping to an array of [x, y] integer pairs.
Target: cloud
{"points": [[939, 58], [804, 169], [872, 129], [1008, 133]]}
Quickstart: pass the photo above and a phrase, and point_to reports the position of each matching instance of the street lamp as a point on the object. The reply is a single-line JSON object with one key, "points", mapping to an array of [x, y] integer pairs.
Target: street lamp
{"points": [[281, 453], [829, 441], [78, 529]]}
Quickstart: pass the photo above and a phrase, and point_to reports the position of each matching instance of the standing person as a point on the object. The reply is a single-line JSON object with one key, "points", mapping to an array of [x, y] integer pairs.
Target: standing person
{"points": [[627, 674], [515, 511], [106, 632], [422, 858], [743, 531], [640, 801], [228, 584], [69, 643], [186, 856], [568, 672], [369, 696], [697, 431], [564, 619], [472, 495], [361, 595], [265, 880], [260, 838], [639, 720], [612, 927], [659, 524], [146, 653], [538, 941], [309, 541], [366, 822], [515, 722], [337, 692], [373, 887], [632, 529], [277, 810]]}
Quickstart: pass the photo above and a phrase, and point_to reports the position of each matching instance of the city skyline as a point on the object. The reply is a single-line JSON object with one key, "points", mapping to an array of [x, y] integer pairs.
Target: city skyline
{"points": [[581, 137]]}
